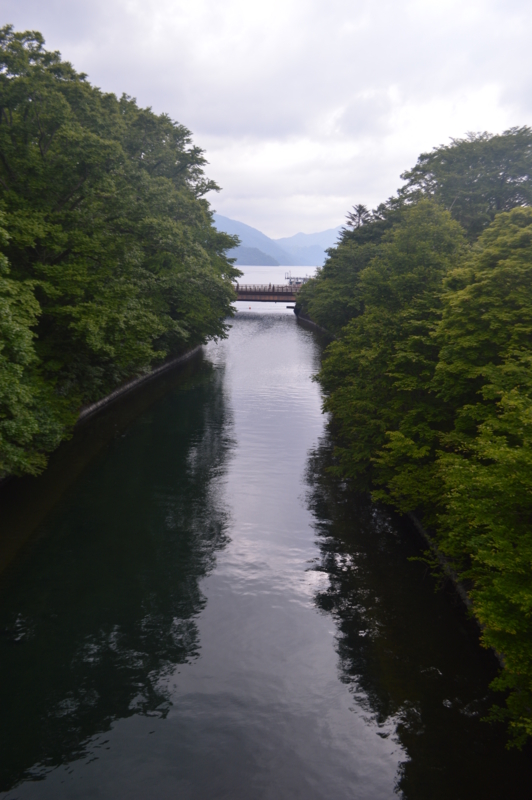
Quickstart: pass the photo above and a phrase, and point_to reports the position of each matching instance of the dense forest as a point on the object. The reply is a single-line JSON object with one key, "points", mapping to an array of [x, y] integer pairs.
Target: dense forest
{"points": [[429, 377], [109, 263]]}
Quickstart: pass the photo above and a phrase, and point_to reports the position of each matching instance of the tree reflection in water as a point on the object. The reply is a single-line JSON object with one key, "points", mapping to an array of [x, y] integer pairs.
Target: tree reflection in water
{"points": [[105, 604], [410, 654]]}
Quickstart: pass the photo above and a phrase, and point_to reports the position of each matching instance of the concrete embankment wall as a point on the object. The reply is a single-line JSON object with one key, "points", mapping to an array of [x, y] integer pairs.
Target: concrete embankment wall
{"points": [[89, 411], [26, 501], [126, 388], [306, 321]]}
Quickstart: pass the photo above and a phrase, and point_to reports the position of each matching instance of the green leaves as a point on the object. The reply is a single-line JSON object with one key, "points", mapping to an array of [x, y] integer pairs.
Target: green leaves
{"points": [[430, 389], [476, 177], [107, 232], [25, 425], [377, 373], [485, 369]]}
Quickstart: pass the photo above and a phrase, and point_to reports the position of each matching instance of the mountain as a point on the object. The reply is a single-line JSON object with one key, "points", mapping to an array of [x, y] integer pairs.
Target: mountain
{"points": [[252, 257], [257, 249], [323, 239], [308, 249], [252, 238], [312, 256]]}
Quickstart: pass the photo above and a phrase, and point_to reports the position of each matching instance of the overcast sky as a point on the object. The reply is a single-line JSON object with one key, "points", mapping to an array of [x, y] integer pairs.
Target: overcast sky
{"points": [[304, 107]]}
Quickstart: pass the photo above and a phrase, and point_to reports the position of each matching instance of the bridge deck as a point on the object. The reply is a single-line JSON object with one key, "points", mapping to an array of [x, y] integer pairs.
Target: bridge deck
{"points": [[266, 292]]}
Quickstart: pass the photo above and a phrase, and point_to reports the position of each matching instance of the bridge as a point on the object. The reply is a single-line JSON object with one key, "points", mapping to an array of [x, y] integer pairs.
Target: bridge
{"points": [[267, 292]]}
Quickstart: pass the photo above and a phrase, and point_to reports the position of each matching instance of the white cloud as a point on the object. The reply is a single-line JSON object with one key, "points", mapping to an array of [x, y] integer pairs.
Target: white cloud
{"points": [[304, 106]]}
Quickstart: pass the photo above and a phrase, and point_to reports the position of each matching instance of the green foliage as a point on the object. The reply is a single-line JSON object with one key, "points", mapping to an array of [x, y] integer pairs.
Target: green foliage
{"points": [[430, 386], [113, 250], [333, 297], [376, 375], [485, 371], [28, 424], [476, 177]]}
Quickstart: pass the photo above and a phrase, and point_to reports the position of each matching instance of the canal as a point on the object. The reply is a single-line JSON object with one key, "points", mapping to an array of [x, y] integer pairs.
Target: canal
{"points": [[203, 612]]}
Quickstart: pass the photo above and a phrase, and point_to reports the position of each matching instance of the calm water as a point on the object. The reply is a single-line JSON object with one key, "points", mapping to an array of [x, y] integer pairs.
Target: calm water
{"points": [[204, 613]]}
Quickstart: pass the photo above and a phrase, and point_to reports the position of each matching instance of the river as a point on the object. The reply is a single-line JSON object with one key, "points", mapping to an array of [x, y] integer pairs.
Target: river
{"points": [[203, 612]]}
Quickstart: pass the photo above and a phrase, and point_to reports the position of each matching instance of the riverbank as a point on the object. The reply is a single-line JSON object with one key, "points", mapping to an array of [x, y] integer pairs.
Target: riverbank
{"points": [[444, 563], [26, 501], [134, 383], [306, 321]]}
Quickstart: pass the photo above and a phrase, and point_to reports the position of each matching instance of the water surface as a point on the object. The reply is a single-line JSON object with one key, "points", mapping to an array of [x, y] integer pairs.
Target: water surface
{"points": [[205, 613]]}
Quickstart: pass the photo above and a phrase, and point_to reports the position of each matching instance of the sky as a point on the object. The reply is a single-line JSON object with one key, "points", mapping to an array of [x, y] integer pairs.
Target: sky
{"points": [[304, 107]]}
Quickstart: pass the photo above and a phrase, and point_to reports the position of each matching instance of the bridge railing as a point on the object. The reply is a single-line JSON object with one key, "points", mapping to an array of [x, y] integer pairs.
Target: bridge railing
{"points": [[266, 288]]}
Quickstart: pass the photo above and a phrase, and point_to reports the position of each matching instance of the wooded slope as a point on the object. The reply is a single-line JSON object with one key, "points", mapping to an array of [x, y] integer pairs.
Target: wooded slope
{"points": [[429, 380], [109, 263]]}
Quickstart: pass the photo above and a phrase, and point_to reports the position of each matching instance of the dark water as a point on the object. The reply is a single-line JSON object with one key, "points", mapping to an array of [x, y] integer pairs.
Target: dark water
{"points": [[205, 613]]}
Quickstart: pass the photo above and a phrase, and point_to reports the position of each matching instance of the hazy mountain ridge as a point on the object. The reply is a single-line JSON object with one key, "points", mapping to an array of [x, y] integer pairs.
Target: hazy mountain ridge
{"points": [[252, 257], [322, 239], [301, 249], [253, 238]]}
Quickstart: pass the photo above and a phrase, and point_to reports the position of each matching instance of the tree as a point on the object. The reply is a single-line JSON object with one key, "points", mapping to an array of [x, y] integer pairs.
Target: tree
{"points": [[29, 422], [107, 226], [376, 375], [429, 380], [358, 216], [333, 297], [477, 177], [485, 462]]}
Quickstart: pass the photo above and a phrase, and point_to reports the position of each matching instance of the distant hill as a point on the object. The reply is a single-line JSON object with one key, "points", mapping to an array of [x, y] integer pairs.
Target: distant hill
{"points": [[252, 239], [308, 249], [257, 249], [323, 239], [313, 256], [252, 257]]}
